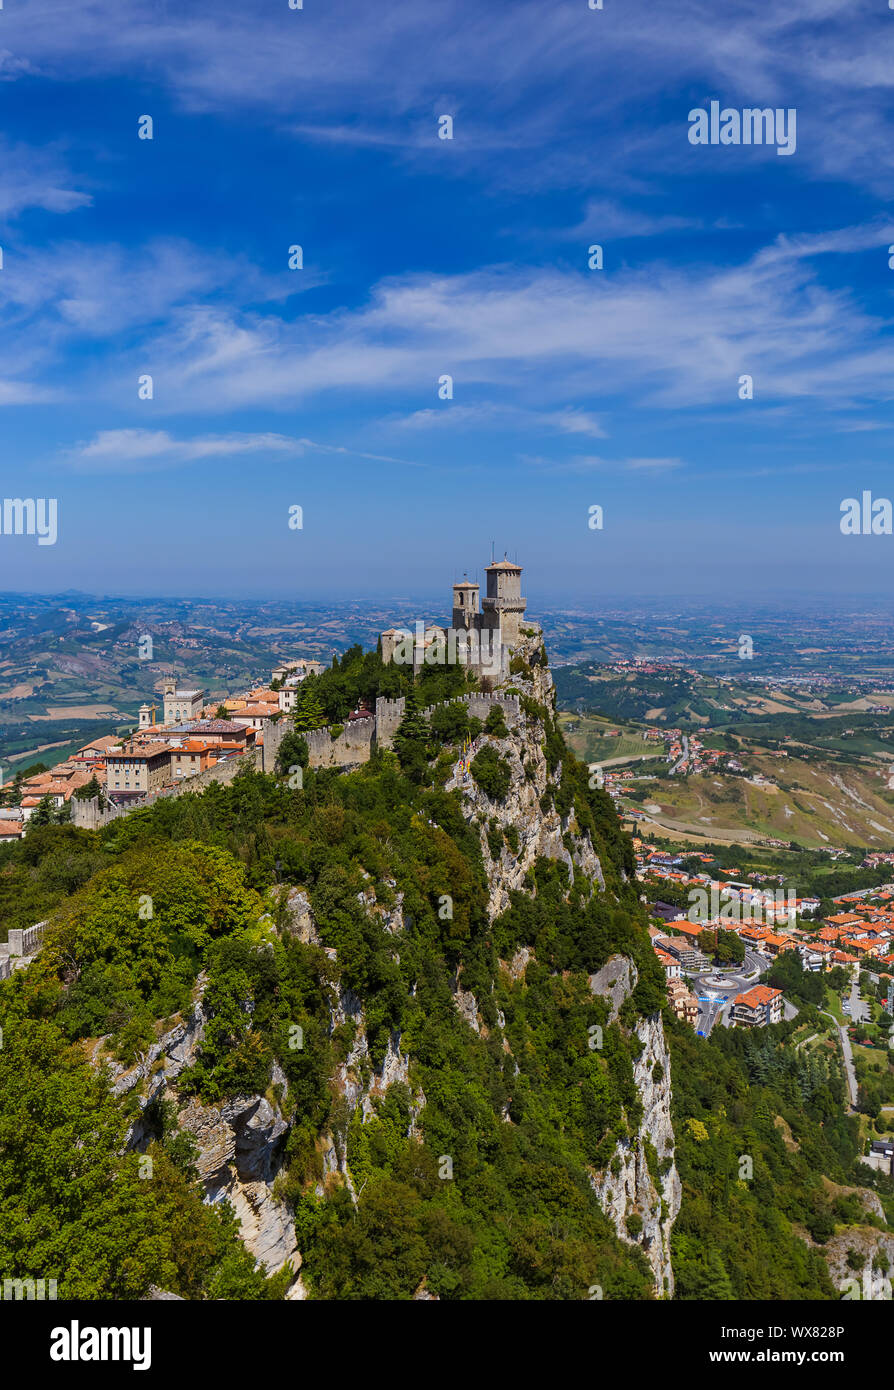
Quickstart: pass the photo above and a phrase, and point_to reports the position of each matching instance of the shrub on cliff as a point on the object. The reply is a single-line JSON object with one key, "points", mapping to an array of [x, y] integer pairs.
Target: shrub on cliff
{"points": [[491, 773], [495, 723]]}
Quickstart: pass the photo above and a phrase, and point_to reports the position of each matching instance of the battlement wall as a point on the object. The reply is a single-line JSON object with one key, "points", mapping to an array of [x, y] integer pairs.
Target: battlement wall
{"points": [[353, 744]]}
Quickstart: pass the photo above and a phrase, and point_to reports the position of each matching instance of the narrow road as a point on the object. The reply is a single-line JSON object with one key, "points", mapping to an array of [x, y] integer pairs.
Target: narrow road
{"points": [[682, 761], [849, 1071]]}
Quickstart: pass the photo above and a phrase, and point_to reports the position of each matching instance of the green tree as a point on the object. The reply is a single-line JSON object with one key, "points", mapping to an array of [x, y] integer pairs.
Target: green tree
{"points": [[308, 713], [43, 812], [292, 752], [411, 739]]}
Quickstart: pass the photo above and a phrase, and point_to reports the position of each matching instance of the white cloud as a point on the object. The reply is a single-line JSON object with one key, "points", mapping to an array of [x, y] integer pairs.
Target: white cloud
{"points": [[527, 75], [562, 341], [605, 218]]}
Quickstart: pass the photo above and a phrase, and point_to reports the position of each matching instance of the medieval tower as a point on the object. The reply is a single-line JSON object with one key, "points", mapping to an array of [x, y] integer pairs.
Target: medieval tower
{"points": [[503, 605], [481, 631]]}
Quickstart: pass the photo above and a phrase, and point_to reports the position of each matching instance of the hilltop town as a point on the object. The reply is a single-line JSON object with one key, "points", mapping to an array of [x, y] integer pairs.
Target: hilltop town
{"points": [[181, 736]]}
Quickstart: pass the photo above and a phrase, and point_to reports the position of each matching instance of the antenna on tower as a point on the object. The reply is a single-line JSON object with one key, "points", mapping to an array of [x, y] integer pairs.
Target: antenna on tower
{"points": [[491, 552]]}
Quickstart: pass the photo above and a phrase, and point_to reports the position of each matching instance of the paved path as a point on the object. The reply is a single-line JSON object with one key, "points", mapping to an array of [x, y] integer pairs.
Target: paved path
{"points": [[849, 1070]]}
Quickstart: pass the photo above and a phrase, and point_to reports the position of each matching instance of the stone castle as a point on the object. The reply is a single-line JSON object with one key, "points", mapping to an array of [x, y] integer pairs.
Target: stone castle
{"points": [[482, 630]]}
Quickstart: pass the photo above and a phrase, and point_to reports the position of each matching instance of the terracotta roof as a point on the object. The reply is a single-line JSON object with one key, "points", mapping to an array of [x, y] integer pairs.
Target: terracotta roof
{"points": [[757, 995]]}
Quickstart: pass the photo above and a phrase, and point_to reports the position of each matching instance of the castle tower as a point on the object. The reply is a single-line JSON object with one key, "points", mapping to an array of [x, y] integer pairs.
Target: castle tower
{"points": [[503, 605], [465, 605], [147, 716]]}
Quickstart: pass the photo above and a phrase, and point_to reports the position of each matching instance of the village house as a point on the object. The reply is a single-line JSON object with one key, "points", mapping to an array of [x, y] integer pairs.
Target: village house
{"points": [[816, 955], [773, 944], [683, 1002], [672, 967]]}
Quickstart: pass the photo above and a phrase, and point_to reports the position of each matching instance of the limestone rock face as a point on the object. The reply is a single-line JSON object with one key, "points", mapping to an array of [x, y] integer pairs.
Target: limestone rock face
{"points": [[239, 1141], [165, 1059], [540, 832], [240, 1144], [300, 919], [633, 1189], [869, 1243], [616, 980]]}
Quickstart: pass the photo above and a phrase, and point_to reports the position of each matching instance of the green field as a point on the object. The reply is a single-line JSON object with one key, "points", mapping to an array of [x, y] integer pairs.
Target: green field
{"points": [[588, 739]]}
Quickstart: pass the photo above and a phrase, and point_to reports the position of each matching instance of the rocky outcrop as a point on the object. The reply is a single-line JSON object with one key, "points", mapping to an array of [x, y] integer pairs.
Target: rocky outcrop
{"points": [[239, 1141], [860, 1257], [616, 980], [299, 918], [868, 1249], [539, 832], [239, 1149], [627, 1188]]}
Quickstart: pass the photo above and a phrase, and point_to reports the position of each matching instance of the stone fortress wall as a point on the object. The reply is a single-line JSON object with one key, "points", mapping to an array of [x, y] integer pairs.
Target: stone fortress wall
{"points": [[357, 739], [498, 614]]}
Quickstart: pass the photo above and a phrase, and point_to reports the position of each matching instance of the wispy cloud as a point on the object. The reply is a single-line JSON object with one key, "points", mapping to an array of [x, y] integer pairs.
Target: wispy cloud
{"points": [[140, 450], [673, 337], [36, 178]]}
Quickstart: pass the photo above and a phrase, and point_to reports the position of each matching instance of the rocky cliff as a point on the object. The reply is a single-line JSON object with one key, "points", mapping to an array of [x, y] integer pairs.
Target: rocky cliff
{"points": [[640, 1190], [240, 1141]]}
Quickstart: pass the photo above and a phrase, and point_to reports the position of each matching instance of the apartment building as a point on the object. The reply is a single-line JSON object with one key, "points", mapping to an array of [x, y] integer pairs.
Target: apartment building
{"points": [[689, 956], [757, 1007]]}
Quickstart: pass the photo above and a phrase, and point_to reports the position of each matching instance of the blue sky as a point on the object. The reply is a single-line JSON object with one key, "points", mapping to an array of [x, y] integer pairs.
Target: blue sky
{"points": [[425, 257]]}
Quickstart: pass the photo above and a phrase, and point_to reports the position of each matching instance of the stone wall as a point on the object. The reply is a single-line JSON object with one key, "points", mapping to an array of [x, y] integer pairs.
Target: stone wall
{"points": [[353, 745], [389, 713], [23, 943]]}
